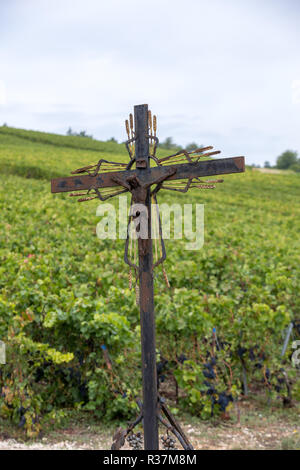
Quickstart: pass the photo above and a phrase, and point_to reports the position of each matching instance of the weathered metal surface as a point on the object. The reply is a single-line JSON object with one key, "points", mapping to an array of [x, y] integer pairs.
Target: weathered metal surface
{"points": [[146, 292], [105, 175], [221, 166], [170, 423], [175, 426], [121, 434]]}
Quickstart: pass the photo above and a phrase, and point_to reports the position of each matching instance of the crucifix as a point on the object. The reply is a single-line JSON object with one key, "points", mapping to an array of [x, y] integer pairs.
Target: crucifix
{"points": [[180, 171]]}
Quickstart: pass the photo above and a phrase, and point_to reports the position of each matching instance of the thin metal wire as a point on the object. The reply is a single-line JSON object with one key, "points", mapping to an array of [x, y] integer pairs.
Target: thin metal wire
{"points": [[150, 132], [157, 238], [105, 166], [188, 157], [132, 134]]}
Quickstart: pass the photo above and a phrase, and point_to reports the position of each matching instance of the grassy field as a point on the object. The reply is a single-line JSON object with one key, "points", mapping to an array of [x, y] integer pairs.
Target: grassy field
{"points": [[62, 286]]}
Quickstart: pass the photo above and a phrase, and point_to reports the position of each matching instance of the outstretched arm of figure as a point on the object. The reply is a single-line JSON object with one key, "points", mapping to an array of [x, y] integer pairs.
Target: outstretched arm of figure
{"points": [[162, 178], [121, 182]]}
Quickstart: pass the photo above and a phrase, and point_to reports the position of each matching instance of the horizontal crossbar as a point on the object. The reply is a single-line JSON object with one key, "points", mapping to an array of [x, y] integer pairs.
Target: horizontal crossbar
{"points": [[220, 166]]}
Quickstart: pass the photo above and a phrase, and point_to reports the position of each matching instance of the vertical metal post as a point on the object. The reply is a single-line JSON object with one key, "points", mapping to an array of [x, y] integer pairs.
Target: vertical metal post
{"points": [[287, 338], [146, 294]]}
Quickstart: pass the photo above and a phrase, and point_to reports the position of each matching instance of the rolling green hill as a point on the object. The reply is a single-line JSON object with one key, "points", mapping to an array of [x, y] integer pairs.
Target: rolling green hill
{"points": [[62, 287]]}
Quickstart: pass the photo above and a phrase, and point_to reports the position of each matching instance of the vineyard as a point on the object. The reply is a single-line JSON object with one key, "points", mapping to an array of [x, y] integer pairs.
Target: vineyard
{"points": [[71, 323]]}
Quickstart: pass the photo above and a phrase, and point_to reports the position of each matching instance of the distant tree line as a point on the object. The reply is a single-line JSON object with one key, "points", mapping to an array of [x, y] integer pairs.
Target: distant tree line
{"points": [[288, 160], [84, 134], [169, 144], [78, 134]]}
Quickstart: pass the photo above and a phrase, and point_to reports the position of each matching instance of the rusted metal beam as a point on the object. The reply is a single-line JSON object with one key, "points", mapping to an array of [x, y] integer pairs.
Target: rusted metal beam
{"points": [[149, 374], [221, 166]]}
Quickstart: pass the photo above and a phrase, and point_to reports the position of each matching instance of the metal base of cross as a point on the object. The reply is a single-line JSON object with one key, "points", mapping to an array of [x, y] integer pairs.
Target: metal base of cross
{"points": [[169, 422]]}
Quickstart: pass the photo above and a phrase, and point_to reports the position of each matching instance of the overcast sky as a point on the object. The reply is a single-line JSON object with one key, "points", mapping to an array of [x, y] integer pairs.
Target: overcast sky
{"points": [[220, 72]]}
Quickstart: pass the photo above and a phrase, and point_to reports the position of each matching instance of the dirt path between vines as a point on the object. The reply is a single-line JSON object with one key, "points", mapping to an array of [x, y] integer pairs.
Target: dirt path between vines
{"points": [[258, 429]]}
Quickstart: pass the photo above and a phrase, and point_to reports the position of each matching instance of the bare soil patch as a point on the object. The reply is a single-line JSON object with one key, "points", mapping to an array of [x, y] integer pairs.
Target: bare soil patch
{"points": [[259, 428]]}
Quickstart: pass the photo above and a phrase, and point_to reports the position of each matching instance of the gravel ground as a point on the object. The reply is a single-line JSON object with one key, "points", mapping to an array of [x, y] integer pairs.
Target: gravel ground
{"points": [[255, 431]]}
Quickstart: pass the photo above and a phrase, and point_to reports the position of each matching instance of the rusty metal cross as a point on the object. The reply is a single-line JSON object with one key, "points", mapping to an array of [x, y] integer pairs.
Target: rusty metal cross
{"points": [[178, 172]]}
